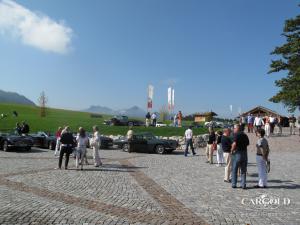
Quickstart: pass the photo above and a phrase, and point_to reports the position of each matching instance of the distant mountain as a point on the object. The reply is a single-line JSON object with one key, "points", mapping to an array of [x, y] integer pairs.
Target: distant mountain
{"points": [[12, 97], [134, 111], [100, 109]]}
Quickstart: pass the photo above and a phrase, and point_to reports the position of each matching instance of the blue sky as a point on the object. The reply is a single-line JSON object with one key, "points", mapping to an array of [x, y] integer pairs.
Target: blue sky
{"points": [[214, 53]]}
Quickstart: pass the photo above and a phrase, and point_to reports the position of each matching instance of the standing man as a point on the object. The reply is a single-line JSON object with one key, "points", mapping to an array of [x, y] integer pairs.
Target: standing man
{"points": [[148, 117], [18, 129], [250, 121], [209, 147], [25, 128], [129, 139], [153, 118], [279, 125], [272, 121], [226, 146], [258, 123], [292, 121], [67, 143], [240, 157], [189, 141]]}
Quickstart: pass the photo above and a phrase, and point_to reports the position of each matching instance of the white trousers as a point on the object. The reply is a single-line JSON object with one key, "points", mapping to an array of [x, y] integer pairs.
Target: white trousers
{"points": [[267, 129], [80, 153], [96, 156], [220, 157], [57, 146], [228, 166], [262, 171]]}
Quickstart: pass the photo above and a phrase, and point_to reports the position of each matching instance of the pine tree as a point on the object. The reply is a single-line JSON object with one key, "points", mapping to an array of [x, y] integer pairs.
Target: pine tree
{"points": [[289, 93]]}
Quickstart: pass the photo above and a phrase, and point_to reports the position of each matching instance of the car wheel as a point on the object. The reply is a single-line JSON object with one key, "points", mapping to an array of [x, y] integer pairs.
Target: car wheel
{"points": [[160, 149], [28, 148], [125, 147], [5, 146]]}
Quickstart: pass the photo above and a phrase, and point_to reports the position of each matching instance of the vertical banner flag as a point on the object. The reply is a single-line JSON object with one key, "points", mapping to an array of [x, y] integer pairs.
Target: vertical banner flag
{"points": [[150, 97], [173, 99], [169, 98]]}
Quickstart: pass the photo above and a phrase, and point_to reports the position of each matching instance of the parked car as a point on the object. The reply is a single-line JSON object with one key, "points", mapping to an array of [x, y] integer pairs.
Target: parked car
{"points": [[160, 124], [44, 140], [214, 124], [123, 121], [14, 141], [147, 142]]}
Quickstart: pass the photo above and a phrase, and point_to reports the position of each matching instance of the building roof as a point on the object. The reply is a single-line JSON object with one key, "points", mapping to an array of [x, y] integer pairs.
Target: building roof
{"points": [[206, 114], [261, 109]]}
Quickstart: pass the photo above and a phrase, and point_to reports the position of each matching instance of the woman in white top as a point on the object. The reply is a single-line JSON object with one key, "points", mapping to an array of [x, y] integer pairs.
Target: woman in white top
{"points": [[82, 141], [95, 144]]}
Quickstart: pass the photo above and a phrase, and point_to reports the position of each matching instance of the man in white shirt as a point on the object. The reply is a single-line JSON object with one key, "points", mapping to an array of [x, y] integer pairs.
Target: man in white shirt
{"points": [[272, 123], [153, 118], [189, 141], [258, 122]]}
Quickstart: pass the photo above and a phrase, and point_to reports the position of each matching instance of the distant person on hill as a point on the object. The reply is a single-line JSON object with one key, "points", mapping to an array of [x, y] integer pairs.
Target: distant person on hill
{"points": [[154, 118], [292, 121], [179, 119], [57, 135], [129, 135], [67, 143], [175, 120], [25, 128], [82, 141], [18, 129], [250, 121], [148, 119], [188, 136], [95, 144]]}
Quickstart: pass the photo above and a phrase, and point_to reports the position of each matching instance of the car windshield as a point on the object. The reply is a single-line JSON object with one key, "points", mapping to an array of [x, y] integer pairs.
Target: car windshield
{"points": [[149, 136]]}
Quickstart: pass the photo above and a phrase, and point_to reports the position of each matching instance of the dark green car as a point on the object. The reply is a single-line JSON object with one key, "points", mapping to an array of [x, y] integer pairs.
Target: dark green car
{"points": [[147, 143]]}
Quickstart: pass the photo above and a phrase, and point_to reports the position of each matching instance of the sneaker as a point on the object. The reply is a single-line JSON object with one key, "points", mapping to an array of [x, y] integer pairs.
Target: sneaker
{"points": [[233, 186], [227, 181]]}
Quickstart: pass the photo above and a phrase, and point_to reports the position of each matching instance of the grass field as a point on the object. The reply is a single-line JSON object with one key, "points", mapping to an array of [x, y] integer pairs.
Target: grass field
{"points": [[74, 119]]}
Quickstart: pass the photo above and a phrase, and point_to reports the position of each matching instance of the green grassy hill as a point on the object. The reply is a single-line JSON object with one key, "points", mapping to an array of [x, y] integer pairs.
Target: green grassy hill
{"points": [[74, 119]]}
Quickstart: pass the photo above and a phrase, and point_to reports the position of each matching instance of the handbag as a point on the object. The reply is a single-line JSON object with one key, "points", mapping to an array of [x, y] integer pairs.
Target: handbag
{"points": [[214, 146], [268, 166]]}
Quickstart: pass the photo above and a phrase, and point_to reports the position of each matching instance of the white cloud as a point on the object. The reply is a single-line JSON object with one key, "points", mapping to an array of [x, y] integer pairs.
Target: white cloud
{"points": [[33, 28]]}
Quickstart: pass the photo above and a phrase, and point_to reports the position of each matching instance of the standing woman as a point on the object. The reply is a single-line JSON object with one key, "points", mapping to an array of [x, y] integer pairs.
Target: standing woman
{"points": [[220, 157], [262, 156], [57, 135], [82, 141], [67, 143], [95, 143], [267, 126], [209, 147]]}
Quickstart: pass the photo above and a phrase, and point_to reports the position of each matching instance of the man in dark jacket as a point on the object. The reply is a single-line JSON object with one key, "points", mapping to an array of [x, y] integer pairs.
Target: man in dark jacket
{"points": [[239, 156], [67, 144], [25, 128]]}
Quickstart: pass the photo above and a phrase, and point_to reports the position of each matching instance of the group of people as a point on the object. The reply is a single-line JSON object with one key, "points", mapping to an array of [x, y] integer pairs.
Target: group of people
{"points": [[67, 144], [22, 129], [269, 123], [151, 119], [231, 148]]}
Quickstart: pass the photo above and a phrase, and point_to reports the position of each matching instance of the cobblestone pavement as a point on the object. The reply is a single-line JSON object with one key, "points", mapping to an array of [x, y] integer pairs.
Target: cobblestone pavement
{"points": [[146, 189]]}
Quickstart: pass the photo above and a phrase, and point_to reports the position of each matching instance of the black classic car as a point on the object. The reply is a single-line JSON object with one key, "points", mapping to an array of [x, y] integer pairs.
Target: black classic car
{"points": [[123, 121], [44, 140], [15, 141], [148, 143]]}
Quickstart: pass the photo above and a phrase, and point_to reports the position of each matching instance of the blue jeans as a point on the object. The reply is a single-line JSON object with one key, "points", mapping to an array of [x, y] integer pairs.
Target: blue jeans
{"points": [[239, 160], [189, 142]]}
